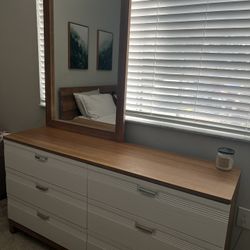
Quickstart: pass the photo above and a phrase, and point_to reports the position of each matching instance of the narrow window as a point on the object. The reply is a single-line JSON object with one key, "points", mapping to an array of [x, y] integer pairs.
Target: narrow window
{"points": [[41, 50]]}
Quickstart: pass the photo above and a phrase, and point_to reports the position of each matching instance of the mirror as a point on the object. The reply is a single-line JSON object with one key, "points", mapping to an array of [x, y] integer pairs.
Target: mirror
{"points": [[86, 63]]}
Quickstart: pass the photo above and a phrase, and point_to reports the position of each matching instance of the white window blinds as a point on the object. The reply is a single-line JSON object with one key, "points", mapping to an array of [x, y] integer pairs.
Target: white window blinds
{"points": [[189, 64], [41, 51]]}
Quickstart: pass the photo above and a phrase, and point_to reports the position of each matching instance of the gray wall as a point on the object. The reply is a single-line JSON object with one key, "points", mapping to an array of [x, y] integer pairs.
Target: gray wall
{"points": [[19, 85], [97, 15]]}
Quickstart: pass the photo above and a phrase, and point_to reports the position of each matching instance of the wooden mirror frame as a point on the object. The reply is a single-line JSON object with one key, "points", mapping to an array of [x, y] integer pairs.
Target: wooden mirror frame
{"points": [[51, 121]]}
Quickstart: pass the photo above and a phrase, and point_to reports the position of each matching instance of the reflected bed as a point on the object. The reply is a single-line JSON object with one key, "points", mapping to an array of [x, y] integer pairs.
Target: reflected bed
{"points": [[69, 111]]}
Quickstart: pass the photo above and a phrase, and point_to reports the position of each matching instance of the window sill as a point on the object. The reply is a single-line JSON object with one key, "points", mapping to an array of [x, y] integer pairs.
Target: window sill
{"points": [[42, 104]]}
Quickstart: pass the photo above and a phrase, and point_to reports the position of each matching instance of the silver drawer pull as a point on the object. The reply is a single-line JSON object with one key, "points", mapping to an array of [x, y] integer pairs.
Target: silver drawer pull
{"points": [[41, 188], [144, 229], [147, 192], [41, 158], [42, 216]]}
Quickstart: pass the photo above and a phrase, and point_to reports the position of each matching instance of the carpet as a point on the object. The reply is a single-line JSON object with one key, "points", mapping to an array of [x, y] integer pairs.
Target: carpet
{"points": [[17, 241]]}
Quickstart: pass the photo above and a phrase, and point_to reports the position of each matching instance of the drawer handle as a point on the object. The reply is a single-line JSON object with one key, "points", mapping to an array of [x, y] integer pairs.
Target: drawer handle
{"points": [[147, 192], [42, 188], [41, 158], [42, 216], [144, 229]]}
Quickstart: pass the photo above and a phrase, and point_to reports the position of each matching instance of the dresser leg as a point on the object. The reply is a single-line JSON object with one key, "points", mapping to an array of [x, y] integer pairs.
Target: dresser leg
{"points": [[12, 227]]}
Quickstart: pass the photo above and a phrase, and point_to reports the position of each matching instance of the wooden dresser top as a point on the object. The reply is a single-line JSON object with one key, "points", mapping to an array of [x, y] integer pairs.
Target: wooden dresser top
{"points": [[191, 175]]}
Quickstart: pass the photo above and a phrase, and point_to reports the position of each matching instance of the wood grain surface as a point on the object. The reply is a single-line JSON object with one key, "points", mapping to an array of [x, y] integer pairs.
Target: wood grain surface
{"points": [[187, 174]]}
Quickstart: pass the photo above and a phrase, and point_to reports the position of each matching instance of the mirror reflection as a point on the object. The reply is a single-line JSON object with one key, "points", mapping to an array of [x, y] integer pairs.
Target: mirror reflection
{"points": [[86, 54]]}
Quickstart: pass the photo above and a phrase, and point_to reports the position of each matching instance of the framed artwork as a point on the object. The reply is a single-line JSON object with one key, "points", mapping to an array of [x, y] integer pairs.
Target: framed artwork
{"points": [[78, 46], [104, 50]]}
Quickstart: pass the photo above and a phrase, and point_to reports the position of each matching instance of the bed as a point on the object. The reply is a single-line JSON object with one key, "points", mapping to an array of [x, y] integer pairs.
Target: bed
{"points": [[69, 111]]}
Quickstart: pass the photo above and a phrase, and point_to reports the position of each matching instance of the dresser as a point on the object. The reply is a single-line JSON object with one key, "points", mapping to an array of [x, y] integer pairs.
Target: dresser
{"points": [[79, 192]]}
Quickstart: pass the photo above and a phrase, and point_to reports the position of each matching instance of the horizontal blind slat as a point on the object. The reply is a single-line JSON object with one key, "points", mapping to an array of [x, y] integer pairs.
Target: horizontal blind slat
{"points": [[215, 41], [181, 49], [196, 95], [206, 117], [189, 108]]}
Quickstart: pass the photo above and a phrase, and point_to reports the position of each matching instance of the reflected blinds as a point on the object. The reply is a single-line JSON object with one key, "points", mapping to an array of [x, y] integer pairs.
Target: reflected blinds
{"points": [[189, 63], [41, 50]]}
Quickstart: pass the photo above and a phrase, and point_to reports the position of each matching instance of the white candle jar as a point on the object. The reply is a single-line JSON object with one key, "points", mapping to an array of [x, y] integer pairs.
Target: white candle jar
{"points": [[225, 158]]}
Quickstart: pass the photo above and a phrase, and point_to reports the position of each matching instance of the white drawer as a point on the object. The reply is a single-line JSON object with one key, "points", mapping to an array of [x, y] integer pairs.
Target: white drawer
{"points": [[51, 168], [48, 197], [46, 225], [198, 217], [138, 234]]}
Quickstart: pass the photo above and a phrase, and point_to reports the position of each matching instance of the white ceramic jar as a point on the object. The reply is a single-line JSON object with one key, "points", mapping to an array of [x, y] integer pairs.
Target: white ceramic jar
{"points": [[225, 158]]}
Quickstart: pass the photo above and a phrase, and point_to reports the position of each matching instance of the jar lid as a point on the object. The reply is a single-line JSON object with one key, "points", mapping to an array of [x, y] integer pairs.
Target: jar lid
{"points": [[227, 151]]}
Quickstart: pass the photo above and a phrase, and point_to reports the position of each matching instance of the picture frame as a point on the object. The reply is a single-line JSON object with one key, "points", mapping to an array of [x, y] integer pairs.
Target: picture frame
{"points": [[78, 36], [104, 50]]}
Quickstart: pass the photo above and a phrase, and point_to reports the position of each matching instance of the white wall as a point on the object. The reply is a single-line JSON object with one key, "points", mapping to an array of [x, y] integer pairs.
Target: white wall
{"points": [[19, 82]]}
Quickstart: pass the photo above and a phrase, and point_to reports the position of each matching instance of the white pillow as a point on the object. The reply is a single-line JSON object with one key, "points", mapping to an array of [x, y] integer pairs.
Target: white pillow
{"points": [[97, 106], [79, 102]]}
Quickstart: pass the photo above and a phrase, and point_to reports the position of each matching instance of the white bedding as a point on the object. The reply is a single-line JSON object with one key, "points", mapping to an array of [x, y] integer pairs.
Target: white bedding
{"points": [[97, 107], [109, 119]]}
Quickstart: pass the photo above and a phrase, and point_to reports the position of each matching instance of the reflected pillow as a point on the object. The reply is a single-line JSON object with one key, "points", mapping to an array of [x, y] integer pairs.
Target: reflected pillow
{"points": [[97, 106], [79, 104]]}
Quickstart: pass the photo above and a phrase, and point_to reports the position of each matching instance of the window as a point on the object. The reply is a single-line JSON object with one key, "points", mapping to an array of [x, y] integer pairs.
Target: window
{"points": [[41, 50], [189, 65]]}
